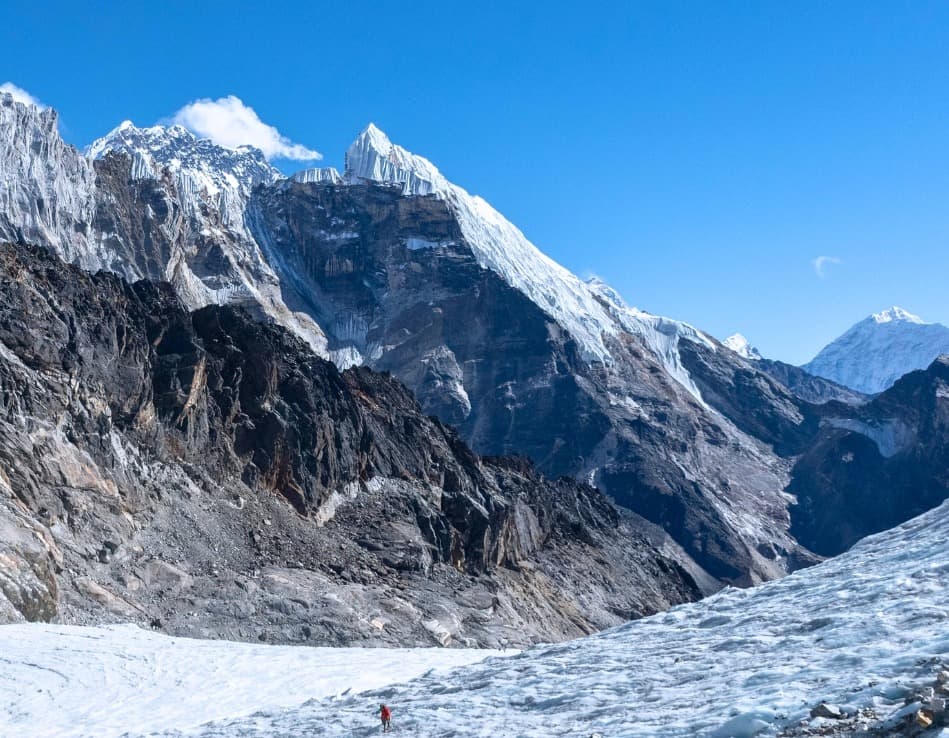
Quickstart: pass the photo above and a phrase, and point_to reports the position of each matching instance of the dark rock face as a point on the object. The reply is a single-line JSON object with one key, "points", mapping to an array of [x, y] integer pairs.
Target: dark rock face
{"points": [[391, 278], [808, 387], [157, 463], [875, 466]]}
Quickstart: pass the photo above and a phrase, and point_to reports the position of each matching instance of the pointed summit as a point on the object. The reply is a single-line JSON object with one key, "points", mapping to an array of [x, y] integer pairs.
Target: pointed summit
{"points": [[740, 345], [372, 156], [880, 349]]}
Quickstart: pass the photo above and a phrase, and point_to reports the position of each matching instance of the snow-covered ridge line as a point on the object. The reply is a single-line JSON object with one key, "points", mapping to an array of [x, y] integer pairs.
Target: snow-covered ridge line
{"points": [[498, 244], [661, 335]]}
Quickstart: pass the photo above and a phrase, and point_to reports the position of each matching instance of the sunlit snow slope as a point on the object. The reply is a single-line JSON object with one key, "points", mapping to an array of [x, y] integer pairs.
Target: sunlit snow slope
{"points": [[58, 681], [857, 631]]}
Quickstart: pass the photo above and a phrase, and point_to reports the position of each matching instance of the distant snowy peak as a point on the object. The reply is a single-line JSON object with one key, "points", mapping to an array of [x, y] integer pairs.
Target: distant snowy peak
{"points": [[896, 314], [740, 345], [880, 349]]}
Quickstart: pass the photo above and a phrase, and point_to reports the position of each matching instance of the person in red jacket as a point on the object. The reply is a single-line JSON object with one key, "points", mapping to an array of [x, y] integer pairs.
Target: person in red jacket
{"points": [[386, 714]]}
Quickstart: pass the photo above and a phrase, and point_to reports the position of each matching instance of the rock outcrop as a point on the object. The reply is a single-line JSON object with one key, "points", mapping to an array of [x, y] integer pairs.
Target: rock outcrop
{"points": [[871, 467]]}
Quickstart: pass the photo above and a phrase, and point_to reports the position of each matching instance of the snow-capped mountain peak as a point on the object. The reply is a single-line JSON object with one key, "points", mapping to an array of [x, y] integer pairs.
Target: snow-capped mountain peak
{"points": [[895, 314], [740, 345], [206, 173], [176, 148], [373, 156], [496, 242], [880, 349]]}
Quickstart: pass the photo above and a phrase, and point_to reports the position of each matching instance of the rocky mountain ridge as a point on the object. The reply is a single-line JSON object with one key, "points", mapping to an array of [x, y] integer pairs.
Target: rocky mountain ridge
{"points": [[207, 473]]}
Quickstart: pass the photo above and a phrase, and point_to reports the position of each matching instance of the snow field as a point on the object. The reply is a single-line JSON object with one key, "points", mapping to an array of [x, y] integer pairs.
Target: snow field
{"points": [[59, 680]]}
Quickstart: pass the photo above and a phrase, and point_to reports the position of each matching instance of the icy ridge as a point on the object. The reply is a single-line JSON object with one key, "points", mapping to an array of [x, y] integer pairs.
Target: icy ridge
{"points": [[880, 349], [661, 335], [498, 244]]}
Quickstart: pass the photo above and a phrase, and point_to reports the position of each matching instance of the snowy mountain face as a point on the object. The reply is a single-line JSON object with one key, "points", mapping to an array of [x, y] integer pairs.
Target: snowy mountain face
{"points": [[207, 176], [46, 187], [880, 349], [498, 245], [173, 210], [864, 635]]}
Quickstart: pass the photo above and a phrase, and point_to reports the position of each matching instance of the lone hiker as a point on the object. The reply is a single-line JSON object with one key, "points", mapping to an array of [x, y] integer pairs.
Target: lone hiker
{"points": [[385, 715]]}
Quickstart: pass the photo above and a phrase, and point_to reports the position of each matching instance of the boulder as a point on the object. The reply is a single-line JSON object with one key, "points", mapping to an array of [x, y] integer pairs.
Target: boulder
{"points": [[827, 710]]}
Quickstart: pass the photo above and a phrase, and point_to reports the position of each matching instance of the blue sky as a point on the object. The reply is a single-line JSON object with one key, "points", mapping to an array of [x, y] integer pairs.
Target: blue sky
{"points": [[698, 156]]}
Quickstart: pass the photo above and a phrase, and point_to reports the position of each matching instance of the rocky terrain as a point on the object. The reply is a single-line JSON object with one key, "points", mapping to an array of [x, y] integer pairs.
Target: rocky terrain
{"points": [[872, 466], [208, 474]]}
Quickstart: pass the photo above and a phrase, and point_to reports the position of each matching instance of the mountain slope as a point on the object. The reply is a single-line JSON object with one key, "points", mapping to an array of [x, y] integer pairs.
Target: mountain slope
{"points": [[865, 632], [807, 387], [391, 266], [393, 280], [872, 466], [880, 349], [208, 473]]}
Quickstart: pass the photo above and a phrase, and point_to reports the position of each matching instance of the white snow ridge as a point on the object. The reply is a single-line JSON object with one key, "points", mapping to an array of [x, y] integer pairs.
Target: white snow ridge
{"points": [[861, 631]]}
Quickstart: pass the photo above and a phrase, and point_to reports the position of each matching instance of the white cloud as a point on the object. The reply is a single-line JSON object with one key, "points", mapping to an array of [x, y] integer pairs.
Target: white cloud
{"points": [[821, 262], [21, 95], [229, 122]]}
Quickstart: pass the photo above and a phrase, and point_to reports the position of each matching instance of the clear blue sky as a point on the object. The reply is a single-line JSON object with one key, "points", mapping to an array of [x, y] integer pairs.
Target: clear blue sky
{"points": [[698, 156]]}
